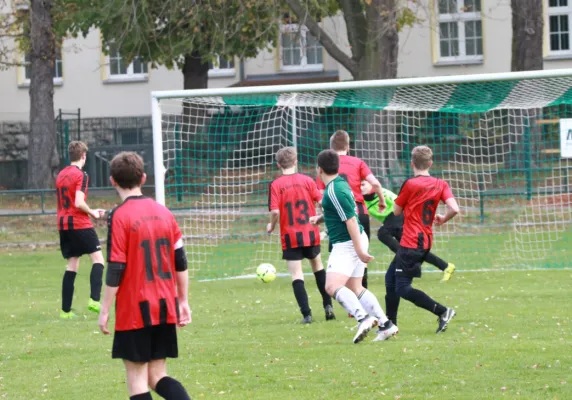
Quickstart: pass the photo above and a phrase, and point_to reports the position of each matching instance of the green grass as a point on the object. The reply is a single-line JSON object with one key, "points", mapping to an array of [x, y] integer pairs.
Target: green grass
{"points": [[511, 339]]}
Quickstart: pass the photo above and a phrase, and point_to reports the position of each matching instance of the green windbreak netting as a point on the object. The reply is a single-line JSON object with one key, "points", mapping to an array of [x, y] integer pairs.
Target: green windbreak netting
{"points": [[496, 143]]}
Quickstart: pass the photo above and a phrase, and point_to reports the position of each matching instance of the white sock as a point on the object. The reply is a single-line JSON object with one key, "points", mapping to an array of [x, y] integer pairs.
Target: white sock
{"points": [[350, 302], [372, 306]]}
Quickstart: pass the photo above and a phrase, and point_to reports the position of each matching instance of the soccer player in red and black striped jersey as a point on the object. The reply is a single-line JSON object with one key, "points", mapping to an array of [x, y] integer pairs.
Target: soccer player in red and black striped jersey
{"points": [[292, 199], [354, 170], [77, 236], [418, 201], [147, 271]]}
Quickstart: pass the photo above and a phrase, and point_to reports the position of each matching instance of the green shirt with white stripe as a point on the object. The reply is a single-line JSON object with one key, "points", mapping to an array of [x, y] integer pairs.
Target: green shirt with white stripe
{"points": [[339, 205]]}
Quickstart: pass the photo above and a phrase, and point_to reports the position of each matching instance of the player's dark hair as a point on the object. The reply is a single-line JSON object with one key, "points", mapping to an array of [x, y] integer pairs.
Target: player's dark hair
{"points": [[76, 149], [340, 141], [329, 161], [127, 169]]}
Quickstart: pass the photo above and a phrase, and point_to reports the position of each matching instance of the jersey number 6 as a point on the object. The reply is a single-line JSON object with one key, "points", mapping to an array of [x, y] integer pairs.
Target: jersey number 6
{"points": [[161, 273], [428, 212]]}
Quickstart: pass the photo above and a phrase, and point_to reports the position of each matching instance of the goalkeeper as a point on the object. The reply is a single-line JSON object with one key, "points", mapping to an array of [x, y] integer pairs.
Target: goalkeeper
{"points": [[390, 232]]}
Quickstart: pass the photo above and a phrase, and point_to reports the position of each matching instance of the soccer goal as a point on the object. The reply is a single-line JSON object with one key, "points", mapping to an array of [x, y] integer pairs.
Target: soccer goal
{"points": [[496, 139]]}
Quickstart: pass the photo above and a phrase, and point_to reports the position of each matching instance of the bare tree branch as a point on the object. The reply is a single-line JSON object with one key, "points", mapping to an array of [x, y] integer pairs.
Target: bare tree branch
{"points": [[350, 64]]}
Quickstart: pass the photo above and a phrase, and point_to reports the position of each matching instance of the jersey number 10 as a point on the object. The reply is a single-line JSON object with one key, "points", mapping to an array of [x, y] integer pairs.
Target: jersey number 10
{"points": [[161, 273]]}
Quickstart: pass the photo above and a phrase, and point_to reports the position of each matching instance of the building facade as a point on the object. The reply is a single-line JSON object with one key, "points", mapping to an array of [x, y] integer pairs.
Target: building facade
{"points": [[452, 37]]}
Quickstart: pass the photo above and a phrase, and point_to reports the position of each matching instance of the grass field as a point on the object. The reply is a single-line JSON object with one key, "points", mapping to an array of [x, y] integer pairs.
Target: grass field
{"points": [[511, 339]]}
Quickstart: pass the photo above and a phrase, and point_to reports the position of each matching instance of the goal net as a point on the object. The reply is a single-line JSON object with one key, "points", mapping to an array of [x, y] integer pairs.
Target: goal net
{"points": [[496, 139]]}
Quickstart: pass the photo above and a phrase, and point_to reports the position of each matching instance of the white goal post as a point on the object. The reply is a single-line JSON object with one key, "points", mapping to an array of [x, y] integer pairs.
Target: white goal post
{"points": [[494, 136]]}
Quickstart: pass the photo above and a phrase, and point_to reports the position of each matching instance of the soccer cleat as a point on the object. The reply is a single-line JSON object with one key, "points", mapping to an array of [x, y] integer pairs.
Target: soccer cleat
{"points": [[448, 272], [329, 313], [67, 315], [444, 319], [94, 306], [389, 329], [307, 319], [365, 325]]}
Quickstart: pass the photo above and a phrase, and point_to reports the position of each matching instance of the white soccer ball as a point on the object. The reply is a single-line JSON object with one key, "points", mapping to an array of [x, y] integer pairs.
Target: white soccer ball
{"points": [[266, 273]]}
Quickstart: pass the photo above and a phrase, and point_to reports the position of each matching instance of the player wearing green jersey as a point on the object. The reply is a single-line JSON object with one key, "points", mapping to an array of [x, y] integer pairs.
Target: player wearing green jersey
{"points": [[392, 229], [349, 254]]}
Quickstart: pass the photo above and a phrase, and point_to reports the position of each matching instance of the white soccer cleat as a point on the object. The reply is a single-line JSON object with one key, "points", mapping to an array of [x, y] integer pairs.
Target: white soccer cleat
{"points": [[388, 330], [366, 325]]}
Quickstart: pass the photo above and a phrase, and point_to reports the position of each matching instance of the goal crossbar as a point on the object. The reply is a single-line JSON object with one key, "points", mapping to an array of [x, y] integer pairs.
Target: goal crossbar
{"points": [[349, 85]]}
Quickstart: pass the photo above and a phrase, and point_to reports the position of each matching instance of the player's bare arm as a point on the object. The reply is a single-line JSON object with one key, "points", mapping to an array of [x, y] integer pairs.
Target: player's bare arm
{"points": [[353, 230], [82, 205], [181, 267], [397, 209], [452, 211], [274, 217], [317, 219], [113, 279], [377, 189]]}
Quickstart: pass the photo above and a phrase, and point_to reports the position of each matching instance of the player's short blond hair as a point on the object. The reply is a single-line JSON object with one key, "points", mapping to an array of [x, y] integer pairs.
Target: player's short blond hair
{"points": [[286, 157], [340, 141], [422, 157], [76, 150]]}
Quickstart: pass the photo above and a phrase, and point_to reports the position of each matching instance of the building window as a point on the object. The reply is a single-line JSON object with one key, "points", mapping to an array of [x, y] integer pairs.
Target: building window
{"points": [[460, 30], [58, 68], [119, 70], [559, 14], [299, 50], [222, 67]]}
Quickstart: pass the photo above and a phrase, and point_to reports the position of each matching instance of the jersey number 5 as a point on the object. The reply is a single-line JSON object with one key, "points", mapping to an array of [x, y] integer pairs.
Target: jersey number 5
{"points": [[161, 273], [63, 198], [428, 212], [302, 208]]}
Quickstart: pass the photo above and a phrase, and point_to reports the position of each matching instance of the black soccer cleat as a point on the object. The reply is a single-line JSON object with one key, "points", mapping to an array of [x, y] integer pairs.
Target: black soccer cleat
{"points": [[444, 319], [307, 320], [329, 313]]}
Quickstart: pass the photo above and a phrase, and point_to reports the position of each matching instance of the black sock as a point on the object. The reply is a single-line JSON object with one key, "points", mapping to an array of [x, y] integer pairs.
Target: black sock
{"points": [[421, 299], [436, 261], [321, 283], [391, 306], [142, 396], [67, 290], [364, 279], [95, 281], [301, 297], [171, 389]]}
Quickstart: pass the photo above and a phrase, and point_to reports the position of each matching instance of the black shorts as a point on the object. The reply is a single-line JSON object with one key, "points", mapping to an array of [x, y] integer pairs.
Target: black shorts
{"points": [[394, 225], [77, 242], [299, 253], [363, 218], [146, 344], [408, 262]]}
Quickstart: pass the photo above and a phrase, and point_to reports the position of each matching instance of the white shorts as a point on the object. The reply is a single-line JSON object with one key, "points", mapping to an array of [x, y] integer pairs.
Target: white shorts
{"points": [[344, 259]]}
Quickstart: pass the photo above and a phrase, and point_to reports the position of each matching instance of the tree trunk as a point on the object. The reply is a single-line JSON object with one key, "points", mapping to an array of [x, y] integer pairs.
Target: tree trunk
{"points": [[381, 49], [195, 76], [527, 30], [195, 72], [42, 142]]}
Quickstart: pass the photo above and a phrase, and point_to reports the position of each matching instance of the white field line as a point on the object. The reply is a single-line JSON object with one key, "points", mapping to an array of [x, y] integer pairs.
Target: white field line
{"points": [[283, 275]]}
